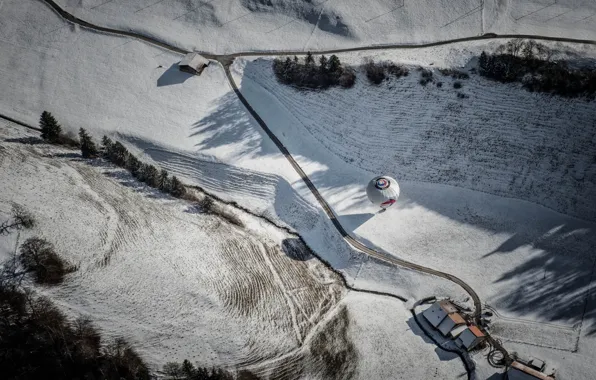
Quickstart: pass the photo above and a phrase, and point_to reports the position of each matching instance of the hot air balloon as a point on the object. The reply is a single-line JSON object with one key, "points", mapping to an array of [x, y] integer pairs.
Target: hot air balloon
{"points": [[383, 191]]}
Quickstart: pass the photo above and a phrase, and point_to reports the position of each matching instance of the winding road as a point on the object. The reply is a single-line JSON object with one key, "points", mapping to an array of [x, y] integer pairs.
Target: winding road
{"points": [[226, 61]]}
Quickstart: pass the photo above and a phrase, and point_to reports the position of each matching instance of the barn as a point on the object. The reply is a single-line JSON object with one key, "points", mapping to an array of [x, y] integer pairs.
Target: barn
{"points": [[193, 63]]}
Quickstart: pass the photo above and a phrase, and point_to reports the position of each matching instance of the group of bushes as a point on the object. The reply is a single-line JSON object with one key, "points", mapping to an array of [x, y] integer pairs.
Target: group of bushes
{"points": [[307, 74], [455, 74], [36, 340], [531, 64], [377, 72], [39, 256]]}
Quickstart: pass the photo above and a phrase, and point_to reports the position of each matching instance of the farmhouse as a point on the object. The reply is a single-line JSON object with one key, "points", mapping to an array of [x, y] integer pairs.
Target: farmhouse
{"points": [[518, 371], [438, 312], [193, 63], [470, 338]]}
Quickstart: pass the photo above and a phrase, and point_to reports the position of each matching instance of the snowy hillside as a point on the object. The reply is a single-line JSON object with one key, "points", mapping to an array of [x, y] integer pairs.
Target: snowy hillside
{"points": [[497, 188], [181, 284], [248, 25]]}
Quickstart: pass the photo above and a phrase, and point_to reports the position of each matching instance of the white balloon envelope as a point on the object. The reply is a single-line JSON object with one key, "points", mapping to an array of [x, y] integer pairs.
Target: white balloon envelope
{"points": [[383, 191]]}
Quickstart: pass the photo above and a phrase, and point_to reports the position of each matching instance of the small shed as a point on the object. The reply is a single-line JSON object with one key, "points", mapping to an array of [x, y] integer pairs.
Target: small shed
{"points": [[438, 311], [518, 371], [193, 63], [470, 337], [450, 322]]}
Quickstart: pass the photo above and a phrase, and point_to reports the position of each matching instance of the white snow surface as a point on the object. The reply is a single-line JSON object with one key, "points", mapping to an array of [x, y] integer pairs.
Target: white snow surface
{"points": [[529, 262], [475, 177], [160, 257], [248, 25], [181, 284]]}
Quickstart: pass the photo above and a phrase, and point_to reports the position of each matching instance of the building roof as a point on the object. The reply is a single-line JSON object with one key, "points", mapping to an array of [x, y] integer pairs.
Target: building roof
{"points": [[447, 307], [476, 331], [194, 60], [530, 371], [457, 319], [457, 330]]}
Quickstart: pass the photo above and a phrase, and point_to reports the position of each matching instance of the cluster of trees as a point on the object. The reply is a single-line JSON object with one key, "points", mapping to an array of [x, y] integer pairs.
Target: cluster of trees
{"points": [[117, 153], [307, 74], [377, 72], [39, 342], [531, 64], [187, 371]]}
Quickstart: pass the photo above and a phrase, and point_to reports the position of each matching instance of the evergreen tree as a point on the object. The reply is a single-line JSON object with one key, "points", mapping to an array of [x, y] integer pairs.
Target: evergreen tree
{"points": [[483, 62], [334, 66], [119, 155], [50, 129], [151, 175], [163, 182], [177, 189], [324, 64], [188, 369], [106, 145], [88, 148], [309, 60]]}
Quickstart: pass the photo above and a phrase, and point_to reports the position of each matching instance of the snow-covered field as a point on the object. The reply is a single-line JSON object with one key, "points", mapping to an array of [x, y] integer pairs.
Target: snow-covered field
{"points": [[474, 185], [180, 284], [162, 255], [243, 25], [488, 184]]}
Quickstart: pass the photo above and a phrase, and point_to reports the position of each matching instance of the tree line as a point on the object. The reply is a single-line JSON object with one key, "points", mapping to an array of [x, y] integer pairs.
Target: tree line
{"points": [[532, 64], [116, 153], [307, 74]]}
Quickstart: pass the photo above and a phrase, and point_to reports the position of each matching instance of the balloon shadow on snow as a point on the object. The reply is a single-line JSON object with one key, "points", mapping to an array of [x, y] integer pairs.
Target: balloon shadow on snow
{"points": [[173, 76], [353, 221]]}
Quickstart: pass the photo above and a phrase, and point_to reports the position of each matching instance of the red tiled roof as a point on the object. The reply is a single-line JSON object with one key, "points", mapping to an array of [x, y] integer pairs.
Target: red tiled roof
{"points": [[455, 317], [476, 331]]}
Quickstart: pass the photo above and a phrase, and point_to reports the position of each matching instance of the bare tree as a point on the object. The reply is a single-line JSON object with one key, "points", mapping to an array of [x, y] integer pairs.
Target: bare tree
{"points": [[21, 218]]}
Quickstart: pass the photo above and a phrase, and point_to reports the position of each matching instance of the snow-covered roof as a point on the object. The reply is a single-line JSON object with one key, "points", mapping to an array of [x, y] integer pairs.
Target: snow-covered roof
{"points": [[457, 330], [194, 60]]}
